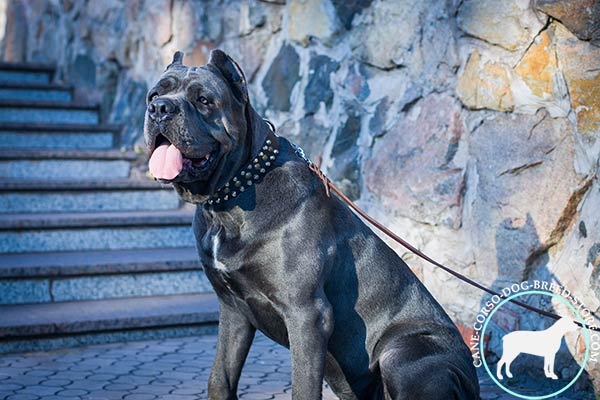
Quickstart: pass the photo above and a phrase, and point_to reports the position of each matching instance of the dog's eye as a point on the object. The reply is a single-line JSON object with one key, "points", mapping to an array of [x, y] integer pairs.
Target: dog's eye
{"points": [[152, 97], [203, 100]]}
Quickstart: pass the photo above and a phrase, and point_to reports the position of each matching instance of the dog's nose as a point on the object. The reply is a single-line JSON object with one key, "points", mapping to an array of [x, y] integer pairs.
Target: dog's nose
{"points": [[162, 109]]}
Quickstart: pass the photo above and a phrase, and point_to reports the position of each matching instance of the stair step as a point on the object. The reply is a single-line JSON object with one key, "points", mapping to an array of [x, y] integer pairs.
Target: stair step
{"points": [[35, 91], [94, 220], [24, 196], [65, 164], [52, 319], [91, 263], [21, 72], [48, 112], [99, 287], [56, 136], [22, 233], [94, 275], [37, 154]]}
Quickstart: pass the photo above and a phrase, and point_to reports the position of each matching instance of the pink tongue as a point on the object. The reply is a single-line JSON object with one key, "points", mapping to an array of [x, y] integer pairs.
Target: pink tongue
{"points": [[166, 162]]}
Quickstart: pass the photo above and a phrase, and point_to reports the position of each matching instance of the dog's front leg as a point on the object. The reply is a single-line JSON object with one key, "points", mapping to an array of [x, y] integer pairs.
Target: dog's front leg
{"points": [[309, 328], [234, 341]]}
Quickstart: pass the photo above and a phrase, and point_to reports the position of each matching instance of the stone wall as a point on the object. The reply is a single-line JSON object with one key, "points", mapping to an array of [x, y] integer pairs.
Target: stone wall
{"points": [[469, 127]]}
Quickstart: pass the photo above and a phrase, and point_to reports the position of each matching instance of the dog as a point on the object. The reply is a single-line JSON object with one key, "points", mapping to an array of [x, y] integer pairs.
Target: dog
{"points": [[287, 259], [542, 343]]}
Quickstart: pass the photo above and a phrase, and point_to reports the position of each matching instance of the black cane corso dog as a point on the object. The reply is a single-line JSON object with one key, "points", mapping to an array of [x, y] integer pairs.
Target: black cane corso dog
{"points": [[288, 260]]}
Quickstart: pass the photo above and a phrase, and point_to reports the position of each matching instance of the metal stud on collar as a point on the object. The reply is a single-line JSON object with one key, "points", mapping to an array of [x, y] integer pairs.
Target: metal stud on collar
{"points": [[249, 175]]}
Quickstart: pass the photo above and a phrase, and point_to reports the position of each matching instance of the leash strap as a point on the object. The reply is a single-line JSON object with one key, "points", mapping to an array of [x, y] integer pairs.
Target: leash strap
{"points": [[329, 186]]}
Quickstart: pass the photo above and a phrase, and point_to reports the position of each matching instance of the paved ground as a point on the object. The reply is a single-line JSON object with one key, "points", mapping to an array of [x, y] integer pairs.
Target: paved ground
{"points": [[172, 369]]}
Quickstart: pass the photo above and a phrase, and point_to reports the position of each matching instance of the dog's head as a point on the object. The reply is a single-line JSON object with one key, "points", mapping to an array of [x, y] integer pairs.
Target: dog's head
{"points": [[199, 125]]}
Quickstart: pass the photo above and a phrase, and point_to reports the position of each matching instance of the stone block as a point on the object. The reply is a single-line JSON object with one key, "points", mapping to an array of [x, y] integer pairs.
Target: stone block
{"points": [[511, 24], [311, 19], [579, 61], [410, 168], [318, 90], [538, 81], [485, 84], [387, 33], [282, 76], [581, 17]]}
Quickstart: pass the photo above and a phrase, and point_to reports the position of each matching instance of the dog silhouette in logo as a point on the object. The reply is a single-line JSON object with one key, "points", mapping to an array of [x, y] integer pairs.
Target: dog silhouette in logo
{"points": [[539, 343]]}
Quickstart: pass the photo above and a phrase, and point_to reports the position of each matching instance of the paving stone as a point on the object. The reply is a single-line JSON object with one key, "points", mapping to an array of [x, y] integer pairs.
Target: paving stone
{"points": [[105, 395], [22, 397], [71, 375], [133, 380], [38, 390], [24, 380], [56, 382], [11, 386], [53, 397], [102, 377], [165, 382], [84, 367], [120, 387], [12, 371], [155, 389], [256, 396], [38, 372], [72, 393], [146, 372], [140, 397], [86, 384], [187, 391]]}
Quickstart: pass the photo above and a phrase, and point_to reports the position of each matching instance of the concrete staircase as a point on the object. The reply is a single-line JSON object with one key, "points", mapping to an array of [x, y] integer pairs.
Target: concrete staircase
{"points": [[88, 254]]}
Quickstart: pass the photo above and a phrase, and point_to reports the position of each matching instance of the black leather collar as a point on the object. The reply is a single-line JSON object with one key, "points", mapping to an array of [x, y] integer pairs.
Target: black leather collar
{"points": [[252, 174]]}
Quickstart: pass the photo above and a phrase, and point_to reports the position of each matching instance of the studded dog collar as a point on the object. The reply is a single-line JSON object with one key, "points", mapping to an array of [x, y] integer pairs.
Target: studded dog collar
{"points": [[252, 174]]}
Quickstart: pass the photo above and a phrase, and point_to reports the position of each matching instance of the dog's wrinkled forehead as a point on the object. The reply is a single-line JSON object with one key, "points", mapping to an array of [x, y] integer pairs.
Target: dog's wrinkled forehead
{"points": [[179, 77], [193, 77]]}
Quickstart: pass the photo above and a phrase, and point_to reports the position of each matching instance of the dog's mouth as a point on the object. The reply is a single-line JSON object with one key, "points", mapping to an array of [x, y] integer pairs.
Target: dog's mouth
{"points": [[167, 162]]}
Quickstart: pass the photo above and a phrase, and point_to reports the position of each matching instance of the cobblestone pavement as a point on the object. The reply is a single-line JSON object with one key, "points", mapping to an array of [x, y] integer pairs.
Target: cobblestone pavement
{"points": [[171, 369]]}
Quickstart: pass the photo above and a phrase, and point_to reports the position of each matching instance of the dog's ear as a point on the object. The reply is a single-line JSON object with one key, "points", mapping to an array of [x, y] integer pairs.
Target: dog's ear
{"points": [[177, 60], [232, 72]]}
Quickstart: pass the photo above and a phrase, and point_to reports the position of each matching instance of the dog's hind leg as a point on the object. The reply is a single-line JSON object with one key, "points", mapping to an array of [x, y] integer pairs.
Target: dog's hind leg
{"points": [[424, 379], [422, 366], [501, 363]]}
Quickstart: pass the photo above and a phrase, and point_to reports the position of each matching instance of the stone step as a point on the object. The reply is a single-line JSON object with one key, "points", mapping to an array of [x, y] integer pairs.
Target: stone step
{"points": [[25, 196], [56, 136], [31, 73], [23, 233], [48, 112], [35, 327], [35, 91], [95, 275], [65, 164], [92, 263]]}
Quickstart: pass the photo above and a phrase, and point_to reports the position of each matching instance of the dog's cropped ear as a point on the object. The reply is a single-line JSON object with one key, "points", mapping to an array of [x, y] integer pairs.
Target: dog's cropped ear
{"points": [[177, 60], [232, 72]]}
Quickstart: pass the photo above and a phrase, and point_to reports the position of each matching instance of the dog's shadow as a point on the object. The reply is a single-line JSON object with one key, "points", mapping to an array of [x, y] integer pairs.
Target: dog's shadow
{"points": [[528, 370]]}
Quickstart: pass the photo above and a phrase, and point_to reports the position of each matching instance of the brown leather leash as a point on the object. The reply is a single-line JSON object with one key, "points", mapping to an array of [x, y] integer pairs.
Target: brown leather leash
{"points": [[329, 186]]}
